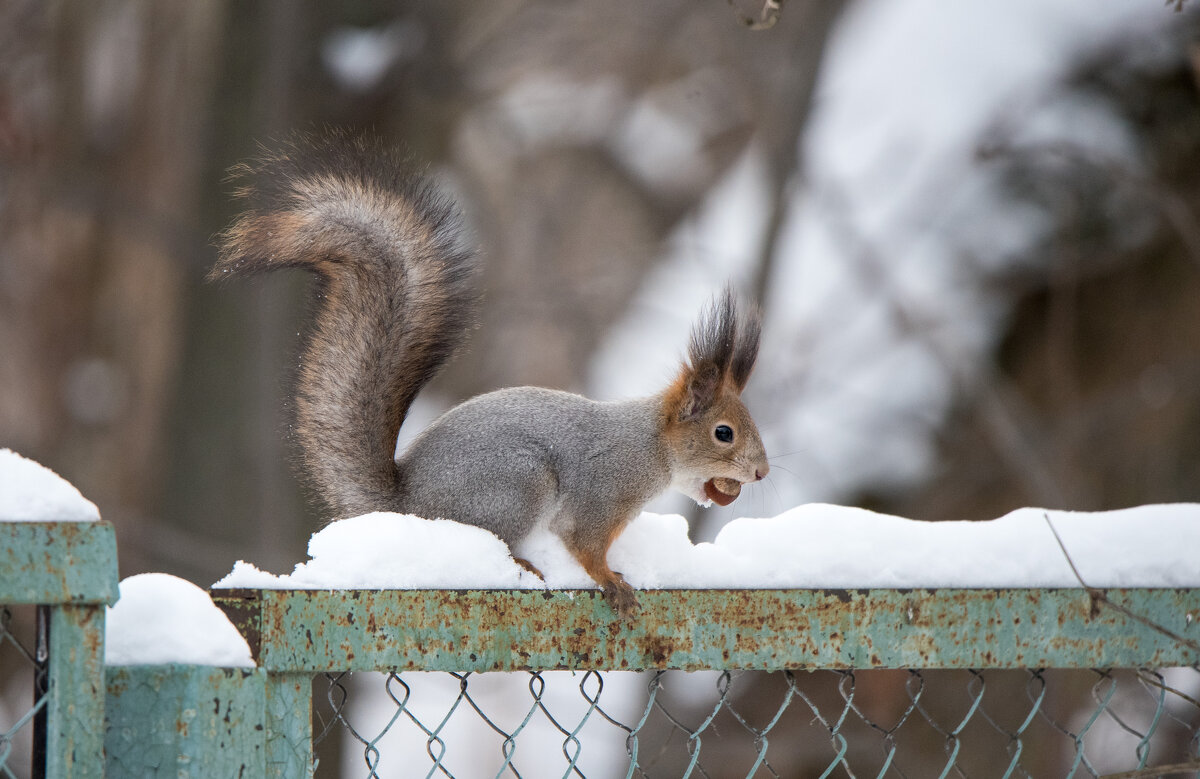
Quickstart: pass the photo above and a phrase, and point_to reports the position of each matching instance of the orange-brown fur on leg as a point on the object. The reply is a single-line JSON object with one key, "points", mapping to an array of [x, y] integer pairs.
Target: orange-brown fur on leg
{"points": [[592, 553]]}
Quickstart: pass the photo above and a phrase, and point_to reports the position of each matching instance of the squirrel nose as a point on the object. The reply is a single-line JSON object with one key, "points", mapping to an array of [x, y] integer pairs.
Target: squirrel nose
{"points": [[759, 473]]}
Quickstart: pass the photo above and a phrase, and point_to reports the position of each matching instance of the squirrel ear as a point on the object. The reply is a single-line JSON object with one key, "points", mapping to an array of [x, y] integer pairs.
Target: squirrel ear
{"points": [[701, 383]]}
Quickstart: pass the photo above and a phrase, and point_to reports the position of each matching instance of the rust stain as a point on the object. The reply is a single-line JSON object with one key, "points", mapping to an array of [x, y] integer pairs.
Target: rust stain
{"points": [[244, 610], [513, 630], [658, 650]]}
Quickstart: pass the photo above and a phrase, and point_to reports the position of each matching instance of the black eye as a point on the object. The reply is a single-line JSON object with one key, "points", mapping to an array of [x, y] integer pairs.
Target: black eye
{"points": [[724, 433]]}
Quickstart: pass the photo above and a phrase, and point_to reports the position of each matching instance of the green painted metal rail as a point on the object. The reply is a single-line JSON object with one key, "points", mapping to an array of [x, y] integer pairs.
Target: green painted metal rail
{"points": [[54, 563], [307, 631]]}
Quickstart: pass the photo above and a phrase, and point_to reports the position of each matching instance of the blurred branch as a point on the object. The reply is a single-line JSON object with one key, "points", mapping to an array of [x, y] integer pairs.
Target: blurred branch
{"points": [[1174, 209], [1162, 770], [770, 13]]}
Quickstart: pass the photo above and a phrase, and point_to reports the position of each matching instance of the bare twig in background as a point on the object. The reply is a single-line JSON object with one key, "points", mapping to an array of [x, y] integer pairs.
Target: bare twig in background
{"points": [[1172, 206], [1099, 596], [1151, 773], [767, 17]]}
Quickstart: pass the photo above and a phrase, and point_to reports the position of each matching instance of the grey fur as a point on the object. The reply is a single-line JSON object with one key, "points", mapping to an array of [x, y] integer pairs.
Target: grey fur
{"points": [[599, 455]]}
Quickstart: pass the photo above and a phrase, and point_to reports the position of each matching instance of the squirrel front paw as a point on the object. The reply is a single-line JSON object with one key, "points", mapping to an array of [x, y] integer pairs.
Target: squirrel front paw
{"points": [[621, 597]]}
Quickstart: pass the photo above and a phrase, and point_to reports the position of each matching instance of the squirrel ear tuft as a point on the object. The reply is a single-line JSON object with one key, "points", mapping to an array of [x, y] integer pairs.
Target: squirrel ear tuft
{"points": [[745, 351], [723, 342], [714, 334]]}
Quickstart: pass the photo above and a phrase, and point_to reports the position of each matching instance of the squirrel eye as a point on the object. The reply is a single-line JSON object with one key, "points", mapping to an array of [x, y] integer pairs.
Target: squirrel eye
{"points": [[724, 433]]}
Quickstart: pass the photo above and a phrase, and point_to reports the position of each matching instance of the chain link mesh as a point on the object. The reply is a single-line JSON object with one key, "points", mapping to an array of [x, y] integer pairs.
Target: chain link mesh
{"points": [[21, 671], [875, 723]]}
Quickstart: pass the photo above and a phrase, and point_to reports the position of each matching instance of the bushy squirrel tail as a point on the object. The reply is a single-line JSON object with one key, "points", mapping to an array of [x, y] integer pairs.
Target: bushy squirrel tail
{"points": [[393, 301]]}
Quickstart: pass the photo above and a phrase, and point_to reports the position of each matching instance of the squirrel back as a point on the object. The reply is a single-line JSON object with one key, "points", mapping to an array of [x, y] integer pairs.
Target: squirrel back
{"points": [[393, 301]]}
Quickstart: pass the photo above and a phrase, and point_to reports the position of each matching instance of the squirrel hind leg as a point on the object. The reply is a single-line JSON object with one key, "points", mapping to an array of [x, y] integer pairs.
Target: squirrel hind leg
{"points": [[593, 557]]}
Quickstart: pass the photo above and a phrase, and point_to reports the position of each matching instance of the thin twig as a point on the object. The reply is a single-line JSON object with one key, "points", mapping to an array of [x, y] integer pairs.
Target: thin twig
{"points": [[1152, 773], [1099, 596], [771, 11]]}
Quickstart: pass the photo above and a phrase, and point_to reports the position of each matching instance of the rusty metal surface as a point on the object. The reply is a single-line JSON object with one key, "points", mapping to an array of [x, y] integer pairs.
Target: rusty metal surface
{"points": [[486, 630], [74, 735], [289, 726], [185, 721], [243, 608], [69, 569], [58, 562]]}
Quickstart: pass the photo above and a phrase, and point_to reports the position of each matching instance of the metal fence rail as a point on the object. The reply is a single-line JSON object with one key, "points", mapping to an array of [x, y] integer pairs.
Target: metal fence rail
{"points": [[799, 682]]}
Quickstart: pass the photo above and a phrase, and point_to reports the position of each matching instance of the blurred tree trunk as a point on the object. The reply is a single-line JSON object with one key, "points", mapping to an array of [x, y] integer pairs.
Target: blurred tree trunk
{"points": [[101, 106]]}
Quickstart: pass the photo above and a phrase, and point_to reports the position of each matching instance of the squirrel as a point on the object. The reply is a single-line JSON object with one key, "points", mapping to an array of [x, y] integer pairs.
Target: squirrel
{"points": [[394, 300]]}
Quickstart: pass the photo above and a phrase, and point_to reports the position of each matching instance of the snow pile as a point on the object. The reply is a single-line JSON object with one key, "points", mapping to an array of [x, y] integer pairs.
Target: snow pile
{"points": [[394, 551], [163, 619], [30, 492], [811, 546]]}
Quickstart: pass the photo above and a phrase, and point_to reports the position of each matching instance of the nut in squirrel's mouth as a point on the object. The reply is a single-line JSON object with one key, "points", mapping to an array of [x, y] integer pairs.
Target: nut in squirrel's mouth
{"points": [[722, 491]]}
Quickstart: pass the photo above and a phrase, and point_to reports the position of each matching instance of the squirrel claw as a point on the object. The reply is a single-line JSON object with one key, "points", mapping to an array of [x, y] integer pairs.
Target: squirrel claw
{"points": [[528, 566], [621, 597]]}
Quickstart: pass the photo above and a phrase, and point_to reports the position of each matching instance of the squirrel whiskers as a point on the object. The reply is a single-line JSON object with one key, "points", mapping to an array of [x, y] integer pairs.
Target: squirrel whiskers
{"points": [[395, 301]]}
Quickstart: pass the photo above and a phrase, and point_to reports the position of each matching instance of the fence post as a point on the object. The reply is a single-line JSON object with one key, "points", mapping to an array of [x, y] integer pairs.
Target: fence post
{"points": [[289, 725], [289, 693], [70, 569], [178, 720], [74, 735]]}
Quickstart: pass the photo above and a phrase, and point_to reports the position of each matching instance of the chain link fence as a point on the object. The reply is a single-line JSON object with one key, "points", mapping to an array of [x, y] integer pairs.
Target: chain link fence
{"points": [[23, 696], [827, 723]]}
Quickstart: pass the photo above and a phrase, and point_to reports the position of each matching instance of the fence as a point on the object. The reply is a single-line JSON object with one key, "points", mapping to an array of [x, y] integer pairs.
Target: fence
{"points": [[722, 682], [65, 573], [802, 724], [859, 721]]}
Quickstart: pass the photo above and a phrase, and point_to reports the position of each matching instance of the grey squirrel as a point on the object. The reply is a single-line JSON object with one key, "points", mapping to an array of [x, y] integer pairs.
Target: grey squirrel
{"points": [[393, 302]]}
